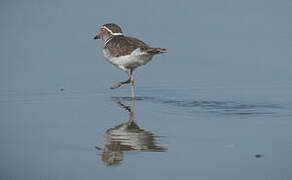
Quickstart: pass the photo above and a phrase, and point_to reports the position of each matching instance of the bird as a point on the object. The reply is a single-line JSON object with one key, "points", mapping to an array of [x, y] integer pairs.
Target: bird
{"points": [[126, 53]]}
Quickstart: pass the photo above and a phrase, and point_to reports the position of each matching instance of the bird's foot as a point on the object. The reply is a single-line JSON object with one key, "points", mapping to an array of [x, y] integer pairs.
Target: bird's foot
{"points": [[116, 86], [121, 83]]}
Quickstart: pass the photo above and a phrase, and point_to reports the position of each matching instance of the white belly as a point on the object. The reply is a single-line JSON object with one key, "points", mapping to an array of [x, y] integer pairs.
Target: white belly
{"points": [[135, 59]]}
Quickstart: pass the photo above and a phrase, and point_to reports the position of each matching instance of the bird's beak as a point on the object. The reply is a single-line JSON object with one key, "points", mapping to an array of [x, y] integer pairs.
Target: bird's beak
{"points": [[97, 36]]}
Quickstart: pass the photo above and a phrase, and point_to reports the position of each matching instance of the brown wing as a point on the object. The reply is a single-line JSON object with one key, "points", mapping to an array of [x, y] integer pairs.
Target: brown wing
{"points": [[121, 45], [136, 42]]}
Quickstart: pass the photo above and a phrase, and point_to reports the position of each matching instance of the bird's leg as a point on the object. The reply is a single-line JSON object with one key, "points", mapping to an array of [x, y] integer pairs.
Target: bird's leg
{"points": [[124, 82], [130, 80], [131, 120], [121, 83], [132, 84]]}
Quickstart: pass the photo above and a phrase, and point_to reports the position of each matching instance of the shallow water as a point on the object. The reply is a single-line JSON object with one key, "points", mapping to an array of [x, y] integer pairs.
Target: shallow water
{"points": [[217, 106], [82, 133]]}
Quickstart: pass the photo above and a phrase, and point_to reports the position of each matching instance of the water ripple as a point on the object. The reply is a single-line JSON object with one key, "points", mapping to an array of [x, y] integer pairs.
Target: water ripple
{"points": [[220, 107]]}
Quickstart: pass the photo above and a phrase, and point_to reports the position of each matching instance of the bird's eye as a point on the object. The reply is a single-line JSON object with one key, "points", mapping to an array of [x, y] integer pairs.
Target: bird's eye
{"points": [[102, 30]]}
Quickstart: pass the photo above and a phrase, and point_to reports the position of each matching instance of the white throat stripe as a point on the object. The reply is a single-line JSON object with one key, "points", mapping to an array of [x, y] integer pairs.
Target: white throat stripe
{"points": [[115, 34], [108, 41]]}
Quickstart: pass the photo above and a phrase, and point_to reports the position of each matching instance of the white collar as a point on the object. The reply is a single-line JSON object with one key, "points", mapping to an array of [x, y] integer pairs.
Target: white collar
{"points": [[108, 40]]}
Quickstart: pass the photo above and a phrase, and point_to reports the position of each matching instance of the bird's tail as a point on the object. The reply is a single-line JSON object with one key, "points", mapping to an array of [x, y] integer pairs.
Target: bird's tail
{"points": [[156, 50]]}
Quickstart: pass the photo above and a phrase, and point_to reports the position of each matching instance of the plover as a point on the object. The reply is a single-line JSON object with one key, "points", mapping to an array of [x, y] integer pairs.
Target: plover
{"points": [[126, 53]]}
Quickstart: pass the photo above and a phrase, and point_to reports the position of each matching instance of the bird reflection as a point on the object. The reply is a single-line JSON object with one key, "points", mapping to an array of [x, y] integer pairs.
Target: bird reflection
{"points": [[127, 136]]}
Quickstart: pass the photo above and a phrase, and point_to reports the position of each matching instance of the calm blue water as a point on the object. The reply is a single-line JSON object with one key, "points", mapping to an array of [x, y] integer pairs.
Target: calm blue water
{"points": [[217, 106]]}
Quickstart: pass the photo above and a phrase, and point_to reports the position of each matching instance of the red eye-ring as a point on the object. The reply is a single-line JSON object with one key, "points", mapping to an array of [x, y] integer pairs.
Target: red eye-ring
{"points": [[102, 30]]}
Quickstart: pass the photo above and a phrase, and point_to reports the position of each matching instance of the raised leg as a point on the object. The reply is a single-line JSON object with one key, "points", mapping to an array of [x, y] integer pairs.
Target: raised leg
{"points": [[130, 80], [121, 83], [124, 82]]}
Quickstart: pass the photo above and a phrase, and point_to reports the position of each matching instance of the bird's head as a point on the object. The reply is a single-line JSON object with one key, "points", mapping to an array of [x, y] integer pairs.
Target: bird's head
{"points": [[109, 30]]}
